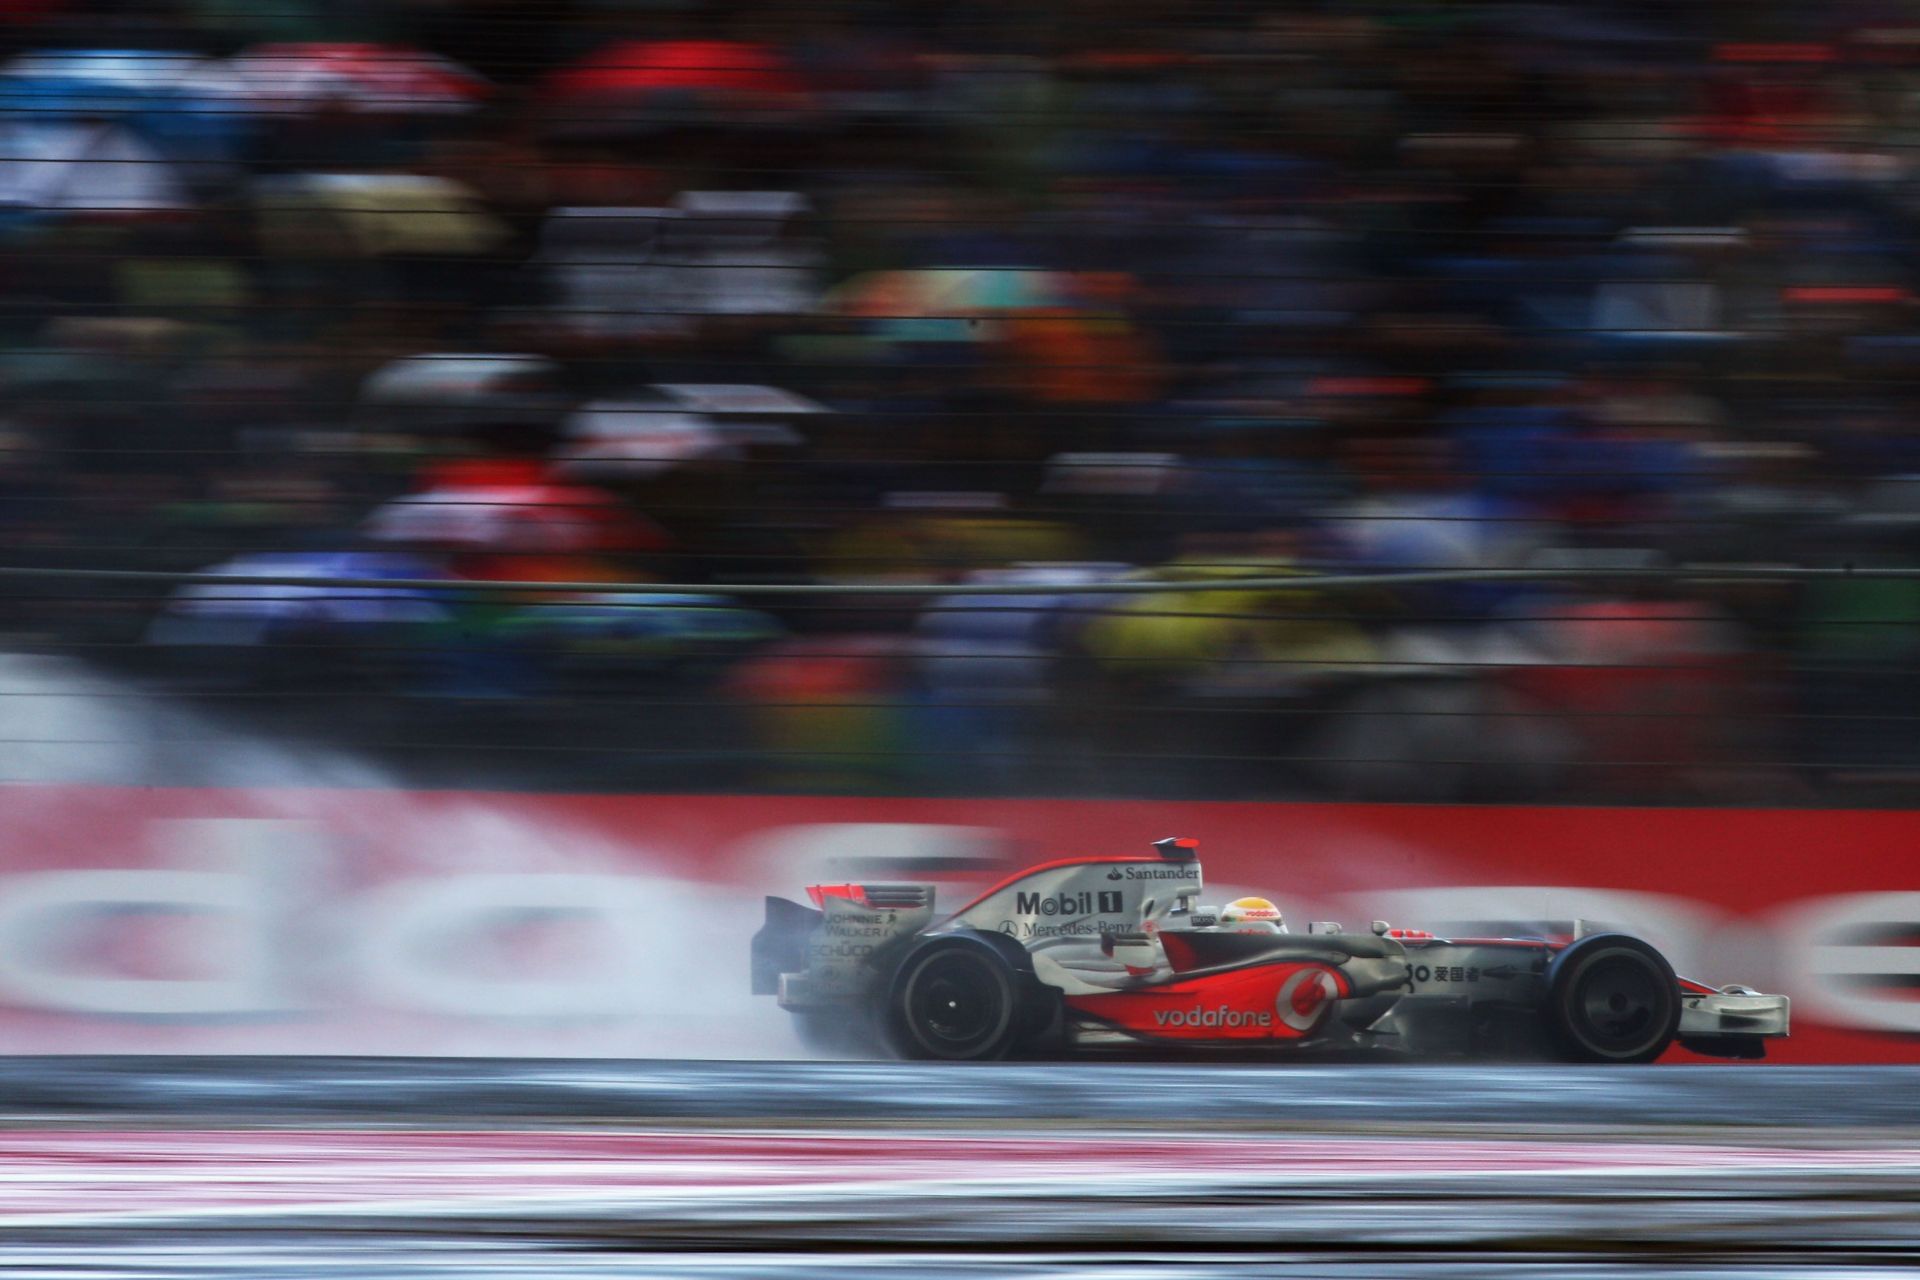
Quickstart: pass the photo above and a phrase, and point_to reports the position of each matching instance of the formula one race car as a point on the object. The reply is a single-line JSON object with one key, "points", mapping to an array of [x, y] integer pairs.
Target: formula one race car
{"points": [[1115, 953]]}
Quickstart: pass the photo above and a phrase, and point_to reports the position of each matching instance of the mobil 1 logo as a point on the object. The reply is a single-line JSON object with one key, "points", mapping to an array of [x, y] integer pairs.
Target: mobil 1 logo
{"points": [[1084, 903]]}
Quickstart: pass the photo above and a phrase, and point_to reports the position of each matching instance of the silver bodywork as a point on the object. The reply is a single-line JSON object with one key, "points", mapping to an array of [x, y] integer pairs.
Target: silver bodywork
{"points": [[1061, 914], [1092, 929]]}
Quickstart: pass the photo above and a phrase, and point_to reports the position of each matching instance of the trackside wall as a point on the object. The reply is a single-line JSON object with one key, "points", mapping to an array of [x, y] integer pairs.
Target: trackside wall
{"points": [[398, 922]]}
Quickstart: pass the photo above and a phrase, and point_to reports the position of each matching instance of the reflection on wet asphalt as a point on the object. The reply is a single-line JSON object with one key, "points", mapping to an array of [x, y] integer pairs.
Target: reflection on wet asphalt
{"points": [[210, 1169], [491, 1090], [428, 1259]]}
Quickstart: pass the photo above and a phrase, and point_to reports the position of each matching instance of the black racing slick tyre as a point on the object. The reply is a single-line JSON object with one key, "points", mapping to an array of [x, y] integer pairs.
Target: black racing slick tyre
{"points": [[1612, 998], [956, 999]]}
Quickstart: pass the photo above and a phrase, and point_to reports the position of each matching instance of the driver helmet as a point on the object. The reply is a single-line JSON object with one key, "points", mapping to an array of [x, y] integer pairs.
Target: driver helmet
{"points": [[1252, 915]]}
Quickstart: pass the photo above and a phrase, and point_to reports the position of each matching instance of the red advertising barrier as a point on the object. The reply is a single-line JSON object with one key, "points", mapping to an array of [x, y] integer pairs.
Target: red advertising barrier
{"points": [[347, 921]]}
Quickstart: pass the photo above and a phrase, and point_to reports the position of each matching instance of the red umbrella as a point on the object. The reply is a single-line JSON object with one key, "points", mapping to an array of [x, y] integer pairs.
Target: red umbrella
{"points": [[377, 79], [667, 82], [510, 508]]}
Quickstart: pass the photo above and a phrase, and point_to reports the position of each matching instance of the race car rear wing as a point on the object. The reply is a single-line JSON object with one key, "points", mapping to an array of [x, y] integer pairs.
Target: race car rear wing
{"points": [[827, 952], [781, 945], [880, 897]]}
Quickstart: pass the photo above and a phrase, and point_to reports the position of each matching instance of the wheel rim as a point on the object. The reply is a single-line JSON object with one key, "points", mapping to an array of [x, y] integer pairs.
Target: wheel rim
{"points": [[1623, 1004], [956, 1004]]}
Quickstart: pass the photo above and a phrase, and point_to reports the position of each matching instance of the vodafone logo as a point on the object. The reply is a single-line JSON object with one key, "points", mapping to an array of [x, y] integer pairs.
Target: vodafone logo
{"points": [[1305, 998], [1220, 1017]]}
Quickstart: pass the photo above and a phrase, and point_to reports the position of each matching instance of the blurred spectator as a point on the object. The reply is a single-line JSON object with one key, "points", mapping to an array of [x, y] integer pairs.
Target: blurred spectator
{"points": [[850, 293]]}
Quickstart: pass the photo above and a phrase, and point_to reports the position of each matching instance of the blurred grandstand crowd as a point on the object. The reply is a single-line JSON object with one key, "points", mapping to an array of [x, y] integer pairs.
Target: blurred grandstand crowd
{"points": [[839, 293]]}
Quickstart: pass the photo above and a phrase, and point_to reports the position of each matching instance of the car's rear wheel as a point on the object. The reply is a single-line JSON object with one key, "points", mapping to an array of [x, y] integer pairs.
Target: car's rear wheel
{"points": [[955, 1000], [1612, 998]]}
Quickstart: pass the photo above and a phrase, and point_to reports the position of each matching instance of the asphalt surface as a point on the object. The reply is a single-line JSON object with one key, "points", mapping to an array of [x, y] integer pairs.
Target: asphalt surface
{"points": [[203, 1169], [400, 1090]]}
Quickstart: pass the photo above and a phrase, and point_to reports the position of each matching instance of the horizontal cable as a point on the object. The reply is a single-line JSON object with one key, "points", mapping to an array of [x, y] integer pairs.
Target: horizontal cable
{"points": [[536, 260], [615, 113], [56, 308], [871, 561], [581, 514], [874, 562], [1282, 225], [1149, 666], [1390, 616], [384, 417], [1125, 460], [1305, 581], [1295, 223], [1072, 705], [1708, 759], [1060, 604], [1766, 382]]}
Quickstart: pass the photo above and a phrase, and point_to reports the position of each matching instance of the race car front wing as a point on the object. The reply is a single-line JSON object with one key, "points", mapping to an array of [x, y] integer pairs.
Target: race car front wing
{"points": [[1732, 1011], [1733, 1022]]}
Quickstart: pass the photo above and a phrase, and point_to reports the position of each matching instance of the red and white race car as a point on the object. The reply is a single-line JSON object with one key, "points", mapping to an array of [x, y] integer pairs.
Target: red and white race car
{"points": [[1115, 953]]}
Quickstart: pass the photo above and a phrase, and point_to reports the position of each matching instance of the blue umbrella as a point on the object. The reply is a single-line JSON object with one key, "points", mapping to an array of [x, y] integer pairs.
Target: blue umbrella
{"points": [[180, 103], [254, 613]]}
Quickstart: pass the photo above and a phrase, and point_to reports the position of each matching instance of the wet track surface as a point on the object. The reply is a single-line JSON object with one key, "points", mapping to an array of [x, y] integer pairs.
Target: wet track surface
{"points": [[366, 1167], [396, 1090], [325, 1260]]}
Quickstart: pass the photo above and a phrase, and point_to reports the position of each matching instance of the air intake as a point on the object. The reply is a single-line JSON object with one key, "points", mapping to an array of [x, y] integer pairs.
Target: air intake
{"points": [[898, 897]]}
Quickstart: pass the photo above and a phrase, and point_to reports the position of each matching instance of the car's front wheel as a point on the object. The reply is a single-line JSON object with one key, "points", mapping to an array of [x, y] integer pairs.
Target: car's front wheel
{"points": [[1612, 998], [955, 1000]]}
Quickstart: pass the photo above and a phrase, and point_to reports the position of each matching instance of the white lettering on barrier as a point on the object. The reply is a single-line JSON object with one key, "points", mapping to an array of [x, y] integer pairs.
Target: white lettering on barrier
{"points": [[1855, 958], [265, 932], [240, 912], [419, 938], [51, 906]]}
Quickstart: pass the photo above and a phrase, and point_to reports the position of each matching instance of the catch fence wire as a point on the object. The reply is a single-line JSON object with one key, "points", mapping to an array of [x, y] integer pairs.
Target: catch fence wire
{"points": [[1126, 737], [1290, 581]]}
